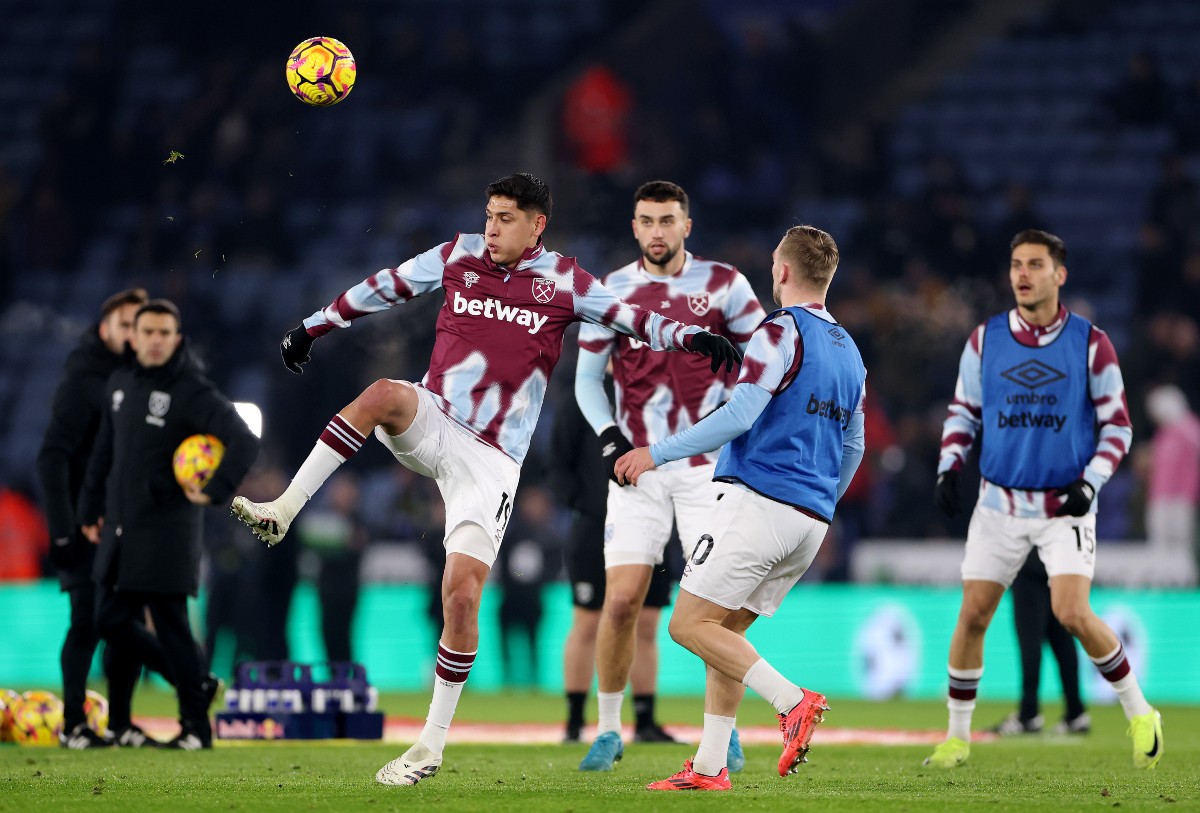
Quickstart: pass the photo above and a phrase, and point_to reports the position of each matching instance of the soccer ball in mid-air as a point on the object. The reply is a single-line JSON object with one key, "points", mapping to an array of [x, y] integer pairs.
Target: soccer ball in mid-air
{"points": [[196, 459], [95, 709], [321, 71], [39, 718], [9, 701]]}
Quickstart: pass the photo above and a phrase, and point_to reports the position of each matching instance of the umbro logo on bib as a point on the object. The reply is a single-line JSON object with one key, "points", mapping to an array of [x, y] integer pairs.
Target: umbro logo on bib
{"points": [[1033, 374]]}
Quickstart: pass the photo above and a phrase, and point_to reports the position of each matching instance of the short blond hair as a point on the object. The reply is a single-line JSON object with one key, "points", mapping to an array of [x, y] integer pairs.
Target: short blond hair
{"points": [[812, 253]]}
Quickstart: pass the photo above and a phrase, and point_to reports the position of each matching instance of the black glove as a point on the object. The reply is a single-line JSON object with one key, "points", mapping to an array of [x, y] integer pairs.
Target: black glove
{"points": [[718, 348], [613, 445], [1078, 498], [294, 349], [945, 493]]}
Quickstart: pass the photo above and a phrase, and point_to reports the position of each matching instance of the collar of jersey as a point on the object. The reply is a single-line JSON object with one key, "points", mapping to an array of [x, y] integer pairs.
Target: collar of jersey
{"points": [[687, 263], [528, 258], [1037, 332]]}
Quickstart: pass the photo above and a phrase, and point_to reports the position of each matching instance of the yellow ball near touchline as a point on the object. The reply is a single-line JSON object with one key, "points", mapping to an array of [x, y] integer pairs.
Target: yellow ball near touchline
{"points": [[39, 719], [196, 459], [321, 71], [95, 709], [9, 701]]}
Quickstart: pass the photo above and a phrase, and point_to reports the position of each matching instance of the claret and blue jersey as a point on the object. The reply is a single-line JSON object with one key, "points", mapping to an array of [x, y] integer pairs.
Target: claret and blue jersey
{"points": [[658, 394], [500, 331]]}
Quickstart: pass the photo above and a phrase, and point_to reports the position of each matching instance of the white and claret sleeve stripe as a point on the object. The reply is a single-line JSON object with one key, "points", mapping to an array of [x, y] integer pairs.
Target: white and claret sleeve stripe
{"points": [[384, 290], [596, 304], [773, 354], [1107, 390], [743, 312], [965, 415]]}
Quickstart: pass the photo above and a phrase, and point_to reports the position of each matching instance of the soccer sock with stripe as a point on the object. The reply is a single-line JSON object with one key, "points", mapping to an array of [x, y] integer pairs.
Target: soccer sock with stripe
{"points": [[713, 752], [1114, 667], [450, 675], [964, 686], [337, 444]]}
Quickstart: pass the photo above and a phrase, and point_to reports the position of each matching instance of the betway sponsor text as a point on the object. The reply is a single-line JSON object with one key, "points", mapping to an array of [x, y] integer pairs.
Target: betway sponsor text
{"points": [[490, 308]]}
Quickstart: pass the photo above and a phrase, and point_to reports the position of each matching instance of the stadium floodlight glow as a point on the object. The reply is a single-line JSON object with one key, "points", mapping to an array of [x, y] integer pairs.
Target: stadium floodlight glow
{"points": [[252, 415]]}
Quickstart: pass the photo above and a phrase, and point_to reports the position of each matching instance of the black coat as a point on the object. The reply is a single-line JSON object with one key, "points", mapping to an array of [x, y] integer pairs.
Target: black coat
{"points": [[151, 537], [74, 423], [578, 477]]}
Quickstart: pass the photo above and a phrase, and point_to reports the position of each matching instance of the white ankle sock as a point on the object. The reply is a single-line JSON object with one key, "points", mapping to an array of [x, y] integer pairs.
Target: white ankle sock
{"points": [[322, 461], [1133, 702], [441, 714], [772, 686], [609, 718], [961, 712], [713, 752]]}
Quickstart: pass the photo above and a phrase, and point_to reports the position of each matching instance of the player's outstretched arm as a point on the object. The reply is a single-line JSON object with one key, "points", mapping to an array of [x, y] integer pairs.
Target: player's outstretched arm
{"points": [[722, 351], [295, 349], [718, 428], [379, 292], [597, 304]]}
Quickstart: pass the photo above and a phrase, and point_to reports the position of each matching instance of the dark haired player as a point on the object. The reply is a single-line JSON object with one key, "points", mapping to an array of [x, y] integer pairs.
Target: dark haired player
{"points": [[1044, 388], [469, 421]]}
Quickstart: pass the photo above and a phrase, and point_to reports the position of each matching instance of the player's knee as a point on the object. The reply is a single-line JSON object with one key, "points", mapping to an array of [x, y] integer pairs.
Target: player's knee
{"points": [[387, 400], [975, 620], [681, 631], [460, 603], [619, 611], [1072, 617]]}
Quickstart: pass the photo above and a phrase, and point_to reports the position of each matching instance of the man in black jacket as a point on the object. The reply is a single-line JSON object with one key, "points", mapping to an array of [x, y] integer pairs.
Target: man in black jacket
{"points": [[74, 420], [147, 525]]}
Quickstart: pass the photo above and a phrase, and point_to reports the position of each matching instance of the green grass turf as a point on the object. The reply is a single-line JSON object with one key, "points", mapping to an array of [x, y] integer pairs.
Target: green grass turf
{"points": [[1028, 773]]}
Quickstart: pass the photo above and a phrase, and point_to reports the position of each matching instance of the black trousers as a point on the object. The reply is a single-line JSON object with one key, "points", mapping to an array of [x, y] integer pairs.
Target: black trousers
{"points": [[78, 649], [338, 589], [119, 618], [1035, 622]]}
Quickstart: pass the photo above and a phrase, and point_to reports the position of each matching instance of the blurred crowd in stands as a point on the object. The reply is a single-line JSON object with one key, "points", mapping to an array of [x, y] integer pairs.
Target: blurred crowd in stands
{"points": [[273, 209]]}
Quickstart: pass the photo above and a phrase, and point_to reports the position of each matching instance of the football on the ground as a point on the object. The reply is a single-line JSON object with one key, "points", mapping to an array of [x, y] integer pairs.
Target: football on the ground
{"points": [[196, 458], [39, 719], [95, 709], [321, 71], [9, 701]]}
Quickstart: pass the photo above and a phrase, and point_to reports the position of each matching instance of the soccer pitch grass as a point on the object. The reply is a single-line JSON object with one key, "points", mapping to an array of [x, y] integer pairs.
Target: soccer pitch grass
{"points": [[1027, 773]]}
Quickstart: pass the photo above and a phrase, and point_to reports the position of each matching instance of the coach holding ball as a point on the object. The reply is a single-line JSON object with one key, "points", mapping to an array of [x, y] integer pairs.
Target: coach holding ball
{"points": [[147, 525]]}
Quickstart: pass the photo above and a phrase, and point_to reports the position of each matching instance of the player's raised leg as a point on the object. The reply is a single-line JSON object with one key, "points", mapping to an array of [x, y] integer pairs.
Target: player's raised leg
{"points": [[387, 403], [1069, 599], [979, 602], [462, 588]]}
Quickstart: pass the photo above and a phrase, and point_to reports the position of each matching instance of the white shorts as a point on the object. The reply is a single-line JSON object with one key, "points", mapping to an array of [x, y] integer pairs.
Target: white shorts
{"points": [[477, 482], [638, 523], [998, 544], [758, 549]]}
